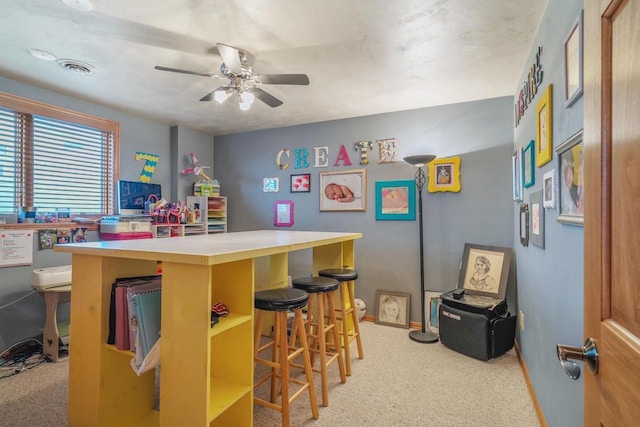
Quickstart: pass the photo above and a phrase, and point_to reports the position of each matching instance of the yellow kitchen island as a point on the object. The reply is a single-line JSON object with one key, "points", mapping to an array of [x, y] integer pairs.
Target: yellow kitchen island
{"points": [[206, 374]]}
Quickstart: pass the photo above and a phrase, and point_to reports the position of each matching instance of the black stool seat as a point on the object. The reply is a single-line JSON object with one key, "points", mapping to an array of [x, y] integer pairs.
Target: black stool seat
{"points": [[280, 299], [341, 274], [315, 284]]}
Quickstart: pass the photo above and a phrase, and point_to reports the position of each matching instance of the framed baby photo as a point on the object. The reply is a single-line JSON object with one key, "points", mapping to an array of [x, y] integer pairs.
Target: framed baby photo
{"points": [[444, 174], [301, 183], [343, 190], [485, 270], [392, 309]]}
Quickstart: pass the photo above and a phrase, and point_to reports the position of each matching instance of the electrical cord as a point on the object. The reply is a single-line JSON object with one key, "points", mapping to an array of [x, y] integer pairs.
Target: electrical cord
{"points": [[16, 300]]}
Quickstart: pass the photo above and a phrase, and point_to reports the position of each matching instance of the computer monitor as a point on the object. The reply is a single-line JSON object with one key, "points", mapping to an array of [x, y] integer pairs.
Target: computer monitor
{"points": [[132, 196]]}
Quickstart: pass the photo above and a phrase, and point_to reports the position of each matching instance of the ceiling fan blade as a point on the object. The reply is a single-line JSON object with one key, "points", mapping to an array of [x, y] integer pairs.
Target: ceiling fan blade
{"points": [[283, 79], [177, 70], [265, 97], [209, 96], [230, 57]]}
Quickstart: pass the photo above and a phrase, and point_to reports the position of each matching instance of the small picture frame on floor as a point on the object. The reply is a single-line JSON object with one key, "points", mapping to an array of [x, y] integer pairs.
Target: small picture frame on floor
{"points": [[392, 309]]}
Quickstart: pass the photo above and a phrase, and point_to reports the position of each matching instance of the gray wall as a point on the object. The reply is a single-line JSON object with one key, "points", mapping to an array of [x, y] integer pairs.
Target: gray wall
{"points": [[387, 258], [183, 142], [550, 280], [24, 318]]}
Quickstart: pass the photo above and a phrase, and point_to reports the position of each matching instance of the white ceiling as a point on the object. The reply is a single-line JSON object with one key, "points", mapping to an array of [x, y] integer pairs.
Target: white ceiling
{"points": [[362, 56]]}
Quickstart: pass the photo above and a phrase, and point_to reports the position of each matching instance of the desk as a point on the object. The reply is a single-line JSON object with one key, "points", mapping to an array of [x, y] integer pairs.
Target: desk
{"points": [[206, 377]]}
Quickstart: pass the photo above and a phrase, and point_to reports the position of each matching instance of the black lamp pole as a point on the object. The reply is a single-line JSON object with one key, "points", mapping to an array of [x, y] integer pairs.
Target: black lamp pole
{"points": [[425, 335]]}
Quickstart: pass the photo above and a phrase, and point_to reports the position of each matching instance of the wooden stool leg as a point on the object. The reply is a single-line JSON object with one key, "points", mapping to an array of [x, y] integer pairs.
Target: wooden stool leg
{"points": [[320, 330], [50, 335], [281, 337], [277, 350], [257, 335], [336, 336], [345, 327], [354, 316], [307, 365]]}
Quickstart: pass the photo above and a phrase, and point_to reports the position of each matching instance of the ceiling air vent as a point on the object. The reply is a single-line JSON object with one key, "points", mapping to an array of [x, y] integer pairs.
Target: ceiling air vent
{"points": [[76, 66]]}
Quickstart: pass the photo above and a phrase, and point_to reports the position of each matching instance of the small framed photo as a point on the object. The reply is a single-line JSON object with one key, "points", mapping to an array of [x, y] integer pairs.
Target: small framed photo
{"points": [[444, 174], [544, 129], [392, 309], [396, 200], [343, 190], [536, 219], [528, 165], [548, 189], [524, 224], [573, 52], [516, 170], [271, 185], [301, 183], [485, 270], [283, 213], [570, 180]]}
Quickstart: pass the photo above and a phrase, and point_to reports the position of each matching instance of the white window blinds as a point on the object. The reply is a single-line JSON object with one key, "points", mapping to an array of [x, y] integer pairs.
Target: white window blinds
{"points": [[51, 163]]}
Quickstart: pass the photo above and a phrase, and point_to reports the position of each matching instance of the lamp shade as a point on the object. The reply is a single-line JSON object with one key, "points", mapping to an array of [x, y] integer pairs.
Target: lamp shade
{"points": [[419, 160]]}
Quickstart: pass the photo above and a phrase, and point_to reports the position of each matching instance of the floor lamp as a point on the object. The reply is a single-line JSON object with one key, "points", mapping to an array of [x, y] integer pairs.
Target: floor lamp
{"points": [[425, 335]]}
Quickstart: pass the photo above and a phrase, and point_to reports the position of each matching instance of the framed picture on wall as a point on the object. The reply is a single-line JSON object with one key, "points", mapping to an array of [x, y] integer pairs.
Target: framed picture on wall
{"points": [[343, 190], [524, 224], [301, 183], [392, 309], [444, 174], [528, 165], [516, 170], [544, 128], [570, 179], [396, 200], [573, 51], [536, 219], [549, 189]]}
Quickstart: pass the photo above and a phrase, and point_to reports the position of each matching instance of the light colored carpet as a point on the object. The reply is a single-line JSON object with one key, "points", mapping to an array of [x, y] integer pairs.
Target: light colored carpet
{"points": [[399, 382]]}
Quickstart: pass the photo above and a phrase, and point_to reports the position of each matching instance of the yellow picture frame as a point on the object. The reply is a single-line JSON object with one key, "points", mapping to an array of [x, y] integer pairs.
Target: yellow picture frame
{"points": [[544, 128], [444, 175]]}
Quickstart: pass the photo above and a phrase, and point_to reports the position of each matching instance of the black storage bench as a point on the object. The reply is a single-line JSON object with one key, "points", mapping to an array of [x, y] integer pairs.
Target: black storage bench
{"points": [[482, 332]]}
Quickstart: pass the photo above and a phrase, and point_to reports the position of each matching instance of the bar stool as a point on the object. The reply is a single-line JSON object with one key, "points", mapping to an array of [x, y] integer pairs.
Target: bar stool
{"points": [[281, 301], [346, 277], [321, 290]]}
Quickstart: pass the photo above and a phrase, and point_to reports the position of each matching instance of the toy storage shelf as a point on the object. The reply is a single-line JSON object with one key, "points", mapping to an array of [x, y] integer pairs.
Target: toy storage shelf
{"points": [[177, 230], [207, 372], [215, 216]]}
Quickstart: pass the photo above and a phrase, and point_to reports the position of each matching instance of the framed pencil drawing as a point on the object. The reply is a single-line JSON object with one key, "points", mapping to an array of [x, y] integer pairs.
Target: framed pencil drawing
{"points": [[444, 174], [544, 129], [485, 270], [528, 165], [343, 190], [392, 309], [396, 200], [570, 179], [573, 52]]}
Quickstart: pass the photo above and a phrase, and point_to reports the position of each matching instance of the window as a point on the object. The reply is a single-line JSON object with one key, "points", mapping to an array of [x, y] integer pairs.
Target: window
{"points": [[54, 158]]}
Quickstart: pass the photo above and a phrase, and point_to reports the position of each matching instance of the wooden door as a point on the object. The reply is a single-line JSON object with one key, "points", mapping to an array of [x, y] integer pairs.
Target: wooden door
{"points": [[612, 209]]}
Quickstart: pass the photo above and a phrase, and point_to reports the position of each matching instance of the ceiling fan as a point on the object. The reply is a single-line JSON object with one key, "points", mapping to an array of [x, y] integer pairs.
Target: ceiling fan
{"points": [[242, 79]]}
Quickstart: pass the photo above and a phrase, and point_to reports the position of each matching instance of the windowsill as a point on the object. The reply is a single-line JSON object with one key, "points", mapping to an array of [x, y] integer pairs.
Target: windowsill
{"points": [[49, 225]]}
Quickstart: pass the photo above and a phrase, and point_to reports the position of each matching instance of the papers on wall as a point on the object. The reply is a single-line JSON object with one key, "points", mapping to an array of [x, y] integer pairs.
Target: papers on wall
{"points": [[16, 247]]}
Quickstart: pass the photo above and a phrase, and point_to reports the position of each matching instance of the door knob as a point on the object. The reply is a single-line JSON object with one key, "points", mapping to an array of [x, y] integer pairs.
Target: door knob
{"points": [[587, 353]]}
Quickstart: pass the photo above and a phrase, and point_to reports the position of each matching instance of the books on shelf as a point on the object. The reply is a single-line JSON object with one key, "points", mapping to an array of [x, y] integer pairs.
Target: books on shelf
{"points": [[124, 317]]}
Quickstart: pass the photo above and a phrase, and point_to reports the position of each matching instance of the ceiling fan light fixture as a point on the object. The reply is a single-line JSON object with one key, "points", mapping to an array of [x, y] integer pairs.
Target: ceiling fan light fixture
{"points": [[246, 99], [220, 96]]}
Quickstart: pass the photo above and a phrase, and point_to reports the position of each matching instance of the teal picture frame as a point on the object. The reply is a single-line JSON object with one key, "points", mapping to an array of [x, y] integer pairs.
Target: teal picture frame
{"points": [[529, 164], [396, 200]]}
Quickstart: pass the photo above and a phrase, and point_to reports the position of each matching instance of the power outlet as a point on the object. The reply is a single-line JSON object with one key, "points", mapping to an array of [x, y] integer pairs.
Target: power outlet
{"points": [[521, 317]]}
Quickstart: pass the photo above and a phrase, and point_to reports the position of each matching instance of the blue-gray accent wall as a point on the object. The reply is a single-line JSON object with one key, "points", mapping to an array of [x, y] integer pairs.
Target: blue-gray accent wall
{"points": [[550, 280]]}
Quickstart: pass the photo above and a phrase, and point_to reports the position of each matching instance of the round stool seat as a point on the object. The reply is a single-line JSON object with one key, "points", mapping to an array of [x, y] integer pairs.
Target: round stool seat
{"points": [[280, 299], [341, 274], [315, 284]]}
